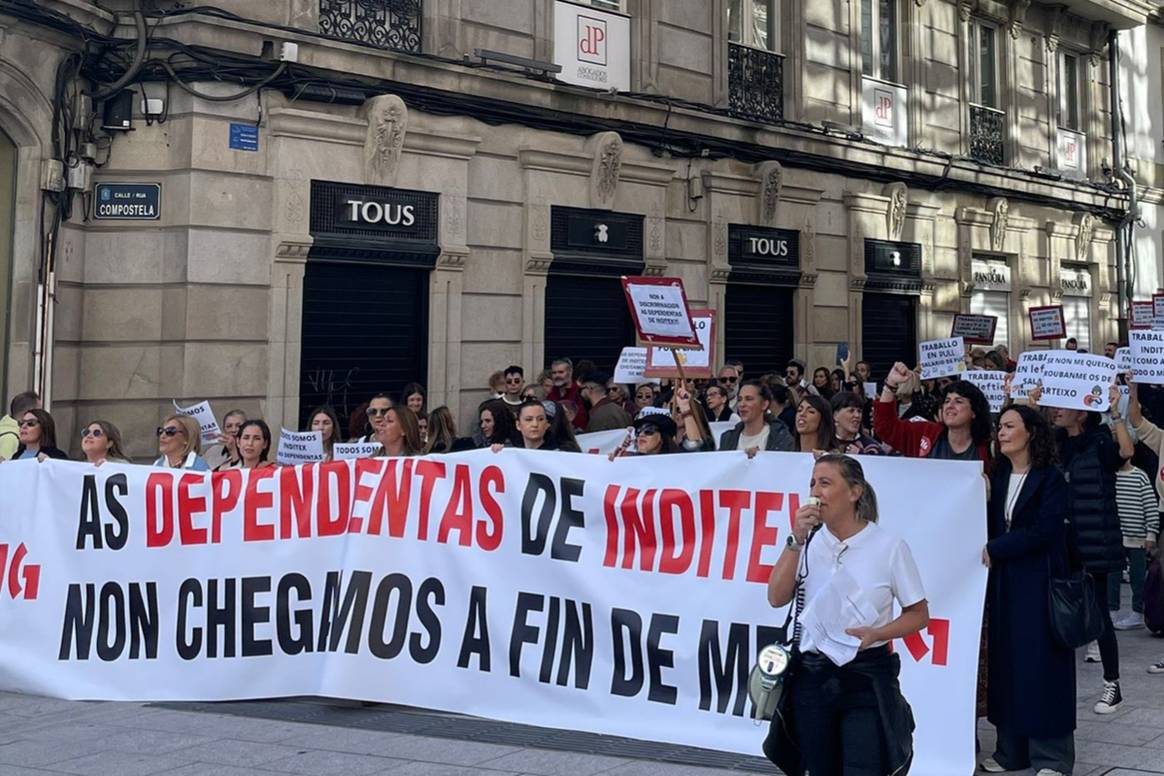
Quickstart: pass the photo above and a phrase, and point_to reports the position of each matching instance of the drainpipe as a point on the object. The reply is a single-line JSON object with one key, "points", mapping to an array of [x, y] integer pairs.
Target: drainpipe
{"points": [[1126, 226]]}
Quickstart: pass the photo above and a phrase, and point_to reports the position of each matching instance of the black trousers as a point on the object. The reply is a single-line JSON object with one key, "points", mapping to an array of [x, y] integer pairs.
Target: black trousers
{"points": [[838, 726], [1016, 752], [1109, 651]]}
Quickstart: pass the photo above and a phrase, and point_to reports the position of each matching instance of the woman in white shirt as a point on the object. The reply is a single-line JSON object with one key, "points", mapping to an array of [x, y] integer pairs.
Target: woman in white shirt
{"points": [[842, 712]]}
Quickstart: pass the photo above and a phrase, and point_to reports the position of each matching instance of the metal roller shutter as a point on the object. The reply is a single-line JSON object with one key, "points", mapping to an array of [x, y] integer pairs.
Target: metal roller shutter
{"points": [[1077, 319], [587, 318], [995, 303], [758, 327], [365, 331], [889, 331]]}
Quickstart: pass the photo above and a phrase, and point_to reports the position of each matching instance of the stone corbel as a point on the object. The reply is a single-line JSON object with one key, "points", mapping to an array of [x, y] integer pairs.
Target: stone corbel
{"points": [[966, 10], [1098, 42], [898, 194], [655, 267], [857, 284], [1017, 15], [771, 177], [720, 274], [453, 259], [808, 280], [1025, 293], [1056, 15], [384, 140], [606, 150], [293, 249], [538, 263]]}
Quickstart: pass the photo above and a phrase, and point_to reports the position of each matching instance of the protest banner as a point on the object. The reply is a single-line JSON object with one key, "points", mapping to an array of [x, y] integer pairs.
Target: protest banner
{"points": [[1047, 322], [1028, 375], [552, 589], [1141, 315], [990, 383], [202, 413], [1123, 359], [347, 451], [974, 329], [606, 442], [300, 446], [941, 358], [1077, 381], [658, 307], [697, 363], [1147, 352], [630, 366], [1158, 311]]}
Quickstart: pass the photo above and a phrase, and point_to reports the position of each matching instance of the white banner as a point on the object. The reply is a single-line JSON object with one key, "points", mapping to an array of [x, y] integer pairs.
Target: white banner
{"points": [[1147, 356], [1077, 381], [202, 413], [942, 358], [990, 383], [622, 598]]}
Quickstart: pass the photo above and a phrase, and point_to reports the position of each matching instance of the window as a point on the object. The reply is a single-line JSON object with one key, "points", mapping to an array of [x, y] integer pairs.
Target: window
{"points": [[984, 65], [1077, 319], [754, 23], [996, 303], [879, 39], [1069, 113]]}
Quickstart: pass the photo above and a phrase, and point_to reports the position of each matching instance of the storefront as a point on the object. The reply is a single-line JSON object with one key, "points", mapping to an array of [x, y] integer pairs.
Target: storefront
{"points": [[365, 294], [1075, 283], [890, 305], [759, 302], [586, 312], [991, 294]]}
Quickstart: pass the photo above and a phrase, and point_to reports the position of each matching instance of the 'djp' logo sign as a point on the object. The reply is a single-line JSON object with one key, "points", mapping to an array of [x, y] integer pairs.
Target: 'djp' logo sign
{"points": [[591, 40]]}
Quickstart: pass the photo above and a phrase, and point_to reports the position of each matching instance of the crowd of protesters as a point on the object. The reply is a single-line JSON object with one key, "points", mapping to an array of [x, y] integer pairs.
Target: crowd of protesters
{"points": [[1040, 464]]}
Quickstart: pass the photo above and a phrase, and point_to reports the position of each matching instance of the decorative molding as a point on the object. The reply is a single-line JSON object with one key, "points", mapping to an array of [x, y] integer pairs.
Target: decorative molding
{"points": [[771, 175], [965, 11], [540, 224], [1097, 38], [655, 267], [1000, 207], [808, 246], [898, 194], [928, 288], [808, 280], [1025, 293], [720, 274], [432, 143], [719, 239], [606, 166], [384, 138], [315, 125], [554, 161], [655, 229], [1085, 231], [538, 264], [857, 284], [452, 259], [1056, 15], [1105, 299], [1018, 13], [293, 250]]}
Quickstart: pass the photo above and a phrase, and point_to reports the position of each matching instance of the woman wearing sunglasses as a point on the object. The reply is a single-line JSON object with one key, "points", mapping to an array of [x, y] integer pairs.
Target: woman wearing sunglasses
{"points": [[377, 413], [179, 442], [38, 437], [101, 442]]}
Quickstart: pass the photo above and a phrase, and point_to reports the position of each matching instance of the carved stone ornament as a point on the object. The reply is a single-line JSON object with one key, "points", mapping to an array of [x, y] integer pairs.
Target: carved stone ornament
{"points": [[898, 195], [452, 261], [719, 238], [808, 245], [384, 142], [1055, 17], [1001, 210], [965, 11], [605, 169], [1097, 37], [808, 279], [538, 265], [1085, 222], [771, 176], [1018, 12]]}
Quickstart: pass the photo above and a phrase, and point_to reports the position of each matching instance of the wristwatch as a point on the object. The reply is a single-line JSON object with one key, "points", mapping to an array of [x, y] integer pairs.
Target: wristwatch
{"points": [[792, 544]]}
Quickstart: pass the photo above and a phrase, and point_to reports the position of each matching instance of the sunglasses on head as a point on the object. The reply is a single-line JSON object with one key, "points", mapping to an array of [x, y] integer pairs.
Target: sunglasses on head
{"points": [[96, 433], [29, 423], [375, 412], [169, 431]]}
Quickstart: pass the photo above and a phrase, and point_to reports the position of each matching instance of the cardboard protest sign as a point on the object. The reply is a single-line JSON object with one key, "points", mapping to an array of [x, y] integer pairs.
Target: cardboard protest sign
{"points": [[1028, 375], [1141, 315], [346, 451], [1047, 322], [202, 413], [975, 329], [1077, 381], [870, 390], [1147, 352], [1158, 311], [990, 383], [659, 309], [942, 358], [697, 363], [297, 447], [630, 366], [1123, 359]]}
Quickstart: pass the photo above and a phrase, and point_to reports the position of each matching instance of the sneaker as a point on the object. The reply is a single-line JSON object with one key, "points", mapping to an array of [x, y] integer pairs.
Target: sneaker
{"points": [[1092, 655], [1049, 772], [990, 765], [1110, 700], [1131, 622], [1156, 668]]}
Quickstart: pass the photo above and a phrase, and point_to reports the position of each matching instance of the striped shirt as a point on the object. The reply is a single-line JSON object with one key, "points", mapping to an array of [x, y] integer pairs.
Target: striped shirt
{"points": [[1137, 507]]}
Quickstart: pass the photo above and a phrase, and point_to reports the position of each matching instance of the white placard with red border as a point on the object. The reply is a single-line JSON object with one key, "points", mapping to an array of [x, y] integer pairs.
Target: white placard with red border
{"points": [[697, 363], [1141, 315], [660, 312], [1047, 322], [974, 329], [1158, 311]]}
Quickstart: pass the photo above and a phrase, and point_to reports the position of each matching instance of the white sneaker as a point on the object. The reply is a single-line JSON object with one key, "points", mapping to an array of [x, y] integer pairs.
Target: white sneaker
{"points": [[1156, 668], [1049, 772], [990, 765], [1130, 622], [1093, 655], [1109, 702]]}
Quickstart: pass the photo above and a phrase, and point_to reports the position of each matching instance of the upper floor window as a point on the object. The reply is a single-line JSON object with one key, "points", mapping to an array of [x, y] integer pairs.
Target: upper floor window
{"points": [[754, 23], [618, 6], [1069, 90], [395, 25], [879, 39], [984, 65]]}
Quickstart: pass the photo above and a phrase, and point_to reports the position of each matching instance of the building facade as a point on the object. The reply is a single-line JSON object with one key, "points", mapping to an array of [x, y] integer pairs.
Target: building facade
{"points": [[414, 190]]}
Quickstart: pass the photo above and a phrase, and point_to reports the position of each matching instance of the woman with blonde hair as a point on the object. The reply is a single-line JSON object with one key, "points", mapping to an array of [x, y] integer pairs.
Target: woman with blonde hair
{"points": [[400, 433], [180, 444]]}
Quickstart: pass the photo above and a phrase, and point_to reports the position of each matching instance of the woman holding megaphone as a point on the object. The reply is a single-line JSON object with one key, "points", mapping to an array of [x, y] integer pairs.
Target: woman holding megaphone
{"points": [[842, 712]]}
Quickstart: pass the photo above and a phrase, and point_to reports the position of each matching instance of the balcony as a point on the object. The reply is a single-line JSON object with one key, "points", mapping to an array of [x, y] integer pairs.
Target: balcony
{"points": [[385, 24], [755, 84], [986, 135]]}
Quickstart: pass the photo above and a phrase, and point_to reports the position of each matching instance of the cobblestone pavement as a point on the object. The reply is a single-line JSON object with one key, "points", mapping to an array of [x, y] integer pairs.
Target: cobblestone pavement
{"points": [[44, 736]]}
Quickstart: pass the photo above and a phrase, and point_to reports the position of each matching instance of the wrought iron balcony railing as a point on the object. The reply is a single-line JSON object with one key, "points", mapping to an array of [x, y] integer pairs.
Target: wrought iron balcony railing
{"points": [[386, 24], [755, 84], [986, 134]]}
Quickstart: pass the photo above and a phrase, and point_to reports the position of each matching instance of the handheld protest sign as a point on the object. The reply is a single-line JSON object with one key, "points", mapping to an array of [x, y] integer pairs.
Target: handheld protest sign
{"points": [[631, 364], [1077, 381], [297, 447], [974, 329], [1047, 322], [658, 307], [208, 424], [1123, 359], [1158, 311], [942, 358], [991, 383], [1146, 349], [696, 363], [1028, 375], [1141, 315], [345, 451]]}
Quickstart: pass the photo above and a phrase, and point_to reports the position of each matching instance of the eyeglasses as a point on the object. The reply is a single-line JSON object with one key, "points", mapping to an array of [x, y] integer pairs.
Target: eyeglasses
{"points": [[648, 430], [96, 433], [375, 412], [29, 423], [729, 379], [513, 380], [169, 431]]}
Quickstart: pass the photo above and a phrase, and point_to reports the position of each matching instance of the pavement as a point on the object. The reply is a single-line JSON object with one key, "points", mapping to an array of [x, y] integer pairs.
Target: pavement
{"points": [[41, 736]]}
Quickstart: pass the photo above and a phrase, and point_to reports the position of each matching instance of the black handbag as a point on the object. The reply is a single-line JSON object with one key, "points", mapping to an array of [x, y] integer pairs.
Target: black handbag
{"points": [[1076, 616]]}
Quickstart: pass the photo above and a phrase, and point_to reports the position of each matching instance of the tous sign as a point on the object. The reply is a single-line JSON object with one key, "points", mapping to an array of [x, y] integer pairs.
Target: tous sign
{"points": [[766, 246], [367, 212]]}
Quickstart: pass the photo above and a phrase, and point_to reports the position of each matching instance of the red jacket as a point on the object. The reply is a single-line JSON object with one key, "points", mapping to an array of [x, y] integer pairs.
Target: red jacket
{"points": [[572, 393], [911, 438]]}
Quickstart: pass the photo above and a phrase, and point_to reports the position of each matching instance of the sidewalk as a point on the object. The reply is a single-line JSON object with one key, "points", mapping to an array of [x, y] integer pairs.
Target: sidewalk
{"points": [[43, 736]]}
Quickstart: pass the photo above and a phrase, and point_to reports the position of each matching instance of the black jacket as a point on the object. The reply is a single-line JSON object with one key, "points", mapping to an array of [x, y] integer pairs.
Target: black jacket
{"points": [[51, 452], [779, 437], [1090, 462]]}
